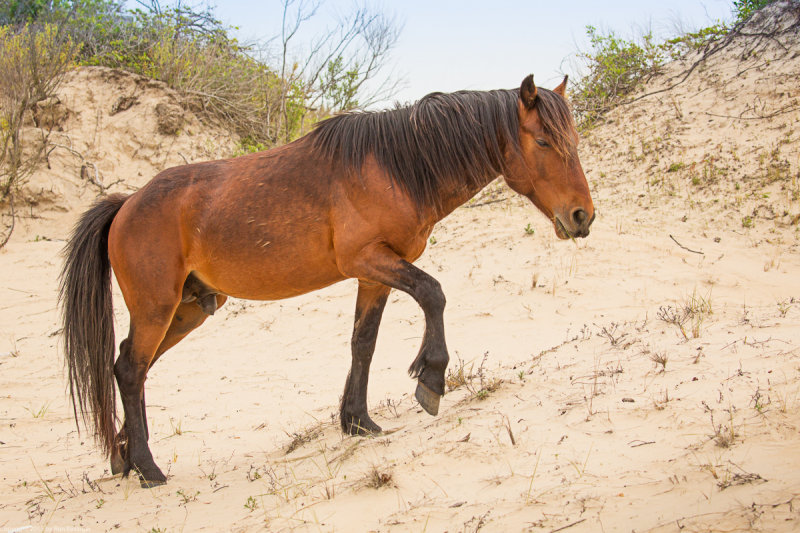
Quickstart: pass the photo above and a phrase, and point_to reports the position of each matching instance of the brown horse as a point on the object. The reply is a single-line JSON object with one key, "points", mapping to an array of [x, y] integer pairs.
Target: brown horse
{"points": [[356, 198]]}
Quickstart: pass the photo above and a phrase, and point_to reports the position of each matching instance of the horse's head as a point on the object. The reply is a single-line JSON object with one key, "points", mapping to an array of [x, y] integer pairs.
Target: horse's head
{"points": [[546, 167]]}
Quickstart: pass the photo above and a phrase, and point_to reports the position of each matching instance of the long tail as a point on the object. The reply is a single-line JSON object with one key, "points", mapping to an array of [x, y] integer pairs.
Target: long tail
{"points": [[88, 319]]}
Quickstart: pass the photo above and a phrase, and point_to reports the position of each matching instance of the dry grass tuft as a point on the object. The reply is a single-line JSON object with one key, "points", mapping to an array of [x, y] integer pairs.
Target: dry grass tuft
{"points": [[376, 478], [299, 438]]}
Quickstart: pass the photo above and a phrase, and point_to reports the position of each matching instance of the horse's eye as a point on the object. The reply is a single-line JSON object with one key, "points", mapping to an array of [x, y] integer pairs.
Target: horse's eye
{"points": [[541, 142]]}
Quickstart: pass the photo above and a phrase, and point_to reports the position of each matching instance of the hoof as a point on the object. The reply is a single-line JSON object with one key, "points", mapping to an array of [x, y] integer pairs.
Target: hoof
{"points": [[117, 463], [152, 479], [428, 399], [118, 455], [362, 426], [150, 483], [150, 476]]}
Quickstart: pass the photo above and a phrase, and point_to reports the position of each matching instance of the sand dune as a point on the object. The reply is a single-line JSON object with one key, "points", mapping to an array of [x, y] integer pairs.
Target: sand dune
{"points": [[644, 379]]}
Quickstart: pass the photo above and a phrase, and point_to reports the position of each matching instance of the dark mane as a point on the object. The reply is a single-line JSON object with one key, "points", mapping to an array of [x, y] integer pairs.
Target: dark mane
{"points": [[443, 140]]}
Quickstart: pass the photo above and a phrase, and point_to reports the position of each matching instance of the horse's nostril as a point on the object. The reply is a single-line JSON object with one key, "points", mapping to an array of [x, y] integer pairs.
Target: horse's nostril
{"points": [[579, 216]]}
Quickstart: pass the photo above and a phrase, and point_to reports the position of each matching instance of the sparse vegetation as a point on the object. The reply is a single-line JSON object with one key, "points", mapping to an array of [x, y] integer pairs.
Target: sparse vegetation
{"points": [[377, 478], [40, 412], [459, 375], [187, 496], [299, 438], [693, 313], [724, 435], [251, 504], [660, 358]]}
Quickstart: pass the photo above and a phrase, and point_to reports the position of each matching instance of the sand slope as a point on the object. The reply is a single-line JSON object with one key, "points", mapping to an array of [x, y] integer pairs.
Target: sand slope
{"points": [[623, 382]]}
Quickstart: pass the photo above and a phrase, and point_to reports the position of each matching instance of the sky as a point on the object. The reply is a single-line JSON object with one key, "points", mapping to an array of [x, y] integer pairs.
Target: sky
{"points": [[447, 45]]}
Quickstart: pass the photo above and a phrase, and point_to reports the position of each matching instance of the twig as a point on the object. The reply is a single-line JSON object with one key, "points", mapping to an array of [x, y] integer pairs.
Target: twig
{"points": [[684, 247], [787, 109], [485, 203], [640, 443], [562, 528], [13, 221]]}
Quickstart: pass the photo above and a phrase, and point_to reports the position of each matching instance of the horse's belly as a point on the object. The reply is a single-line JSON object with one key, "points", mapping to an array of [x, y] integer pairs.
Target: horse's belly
{"points": [[269, 269]]}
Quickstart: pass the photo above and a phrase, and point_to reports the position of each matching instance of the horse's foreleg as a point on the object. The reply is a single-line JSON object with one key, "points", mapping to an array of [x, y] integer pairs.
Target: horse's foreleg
{"points": [[382, 265], [370, 302]]}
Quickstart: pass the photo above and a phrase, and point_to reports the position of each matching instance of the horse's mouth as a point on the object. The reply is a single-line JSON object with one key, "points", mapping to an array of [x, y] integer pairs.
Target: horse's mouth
{"points": [[561, 231]]}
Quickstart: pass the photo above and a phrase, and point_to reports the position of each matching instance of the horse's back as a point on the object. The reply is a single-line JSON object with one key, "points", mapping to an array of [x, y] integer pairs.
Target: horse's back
{"points": [[254, 227]]}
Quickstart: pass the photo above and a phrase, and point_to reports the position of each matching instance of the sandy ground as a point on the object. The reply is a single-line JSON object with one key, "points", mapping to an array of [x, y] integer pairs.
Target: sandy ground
{"points": [[644, 379]]}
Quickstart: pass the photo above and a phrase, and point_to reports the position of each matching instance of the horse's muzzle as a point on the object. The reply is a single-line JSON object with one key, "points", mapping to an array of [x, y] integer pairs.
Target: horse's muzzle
{"points": [[577, 224]]}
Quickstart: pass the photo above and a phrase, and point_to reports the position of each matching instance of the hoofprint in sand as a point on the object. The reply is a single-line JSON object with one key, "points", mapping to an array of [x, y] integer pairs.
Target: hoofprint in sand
{"points": [[646, 378]]}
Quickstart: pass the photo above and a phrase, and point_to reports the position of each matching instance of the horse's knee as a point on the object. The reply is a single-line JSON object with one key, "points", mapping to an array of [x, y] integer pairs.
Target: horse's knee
{"points": [[431, 292]]}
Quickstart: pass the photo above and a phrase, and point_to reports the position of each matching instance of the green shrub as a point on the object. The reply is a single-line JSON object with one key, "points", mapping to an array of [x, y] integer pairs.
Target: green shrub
{"points": [[33, 61], [742, 9], [615, 67]]}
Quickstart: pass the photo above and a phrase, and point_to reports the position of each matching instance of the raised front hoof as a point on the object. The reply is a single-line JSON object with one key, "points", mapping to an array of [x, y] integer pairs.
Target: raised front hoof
{"points": [[362, 425], [428, 399]]}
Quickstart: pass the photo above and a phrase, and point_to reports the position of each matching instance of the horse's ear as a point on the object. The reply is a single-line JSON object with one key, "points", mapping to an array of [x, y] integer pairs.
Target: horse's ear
{"points": [[527, 92], [561, 90]]}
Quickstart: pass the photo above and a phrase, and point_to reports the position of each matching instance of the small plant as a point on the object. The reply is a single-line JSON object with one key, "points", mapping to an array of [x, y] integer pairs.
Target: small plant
{"points": [[253, 474], [529, 230], [674, 167], [694, 311], [377, 479], [660, 358], [724, 435], [251, 504], [301, 437], [432, 240], [39, 413], [99, 504], [465, 377], [661, 404], [186, 497], [784, 306], [176, 427], [747, 222], [759, 401]]}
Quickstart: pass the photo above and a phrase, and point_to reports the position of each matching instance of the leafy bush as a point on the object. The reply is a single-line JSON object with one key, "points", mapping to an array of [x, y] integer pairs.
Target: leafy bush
{"points": [[193, 52], [615, 67], [33, 60], [742, 9]]}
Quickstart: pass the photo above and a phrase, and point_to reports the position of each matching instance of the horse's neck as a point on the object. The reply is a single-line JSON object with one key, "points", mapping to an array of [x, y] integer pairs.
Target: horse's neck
{"points": [[457, 195]]}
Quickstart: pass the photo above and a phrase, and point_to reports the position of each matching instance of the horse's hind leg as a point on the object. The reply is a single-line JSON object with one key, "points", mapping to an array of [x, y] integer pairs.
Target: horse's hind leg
{"points": [[369, 307], [382, 265], [146, 333], [187, 317]]}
